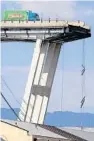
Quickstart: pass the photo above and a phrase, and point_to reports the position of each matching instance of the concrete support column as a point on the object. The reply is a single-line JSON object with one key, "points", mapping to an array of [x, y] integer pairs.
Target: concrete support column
{"points": [[40, 80], [48, 74], [41, 61], [41, 90], [31, 76]]}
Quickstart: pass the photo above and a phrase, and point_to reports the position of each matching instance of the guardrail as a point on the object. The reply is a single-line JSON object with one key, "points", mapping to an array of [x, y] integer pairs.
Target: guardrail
{"points": [[44, 24]]}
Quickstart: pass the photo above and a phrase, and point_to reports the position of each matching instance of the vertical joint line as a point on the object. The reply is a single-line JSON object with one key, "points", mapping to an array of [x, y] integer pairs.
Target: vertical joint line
{"points": [[31, 90]]}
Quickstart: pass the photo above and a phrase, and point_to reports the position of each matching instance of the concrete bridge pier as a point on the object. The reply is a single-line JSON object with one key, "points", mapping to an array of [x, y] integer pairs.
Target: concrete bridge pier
{"points": [[40, 80]]}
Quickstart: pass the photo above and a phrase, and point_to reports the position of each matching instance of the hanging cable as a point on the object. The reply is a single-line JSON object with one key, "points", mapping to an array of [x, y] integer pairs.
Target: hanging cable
{"points": [[62, 93], [83, 75], [10, 90], [83, 80], [10, 106], [13, 94]]}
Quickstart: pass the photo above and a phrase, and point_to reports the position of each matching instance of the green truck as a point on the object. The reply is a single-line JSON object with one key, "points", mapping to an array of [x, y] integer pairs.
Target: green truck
{"points": [[15, 15]]}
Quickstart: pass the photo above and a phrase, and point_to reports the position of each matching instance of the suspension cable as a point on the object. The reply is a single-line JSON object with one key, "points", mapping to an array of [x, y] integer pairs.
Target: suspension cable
{"points": [[13, 95], [62, 93], [10, 106], [10, 90], [83, 80]]}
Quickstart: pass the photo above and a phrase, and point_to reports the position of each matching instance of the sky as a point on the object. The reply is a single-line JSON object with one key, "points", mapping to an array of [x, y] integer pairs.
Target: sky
{"points": [[16, 58]]}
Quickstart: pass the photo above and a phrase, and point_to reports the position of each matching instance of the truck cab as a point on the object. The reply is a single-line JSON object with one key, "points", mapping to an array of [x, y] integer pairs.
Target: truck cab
{"points": [[33, 16]]}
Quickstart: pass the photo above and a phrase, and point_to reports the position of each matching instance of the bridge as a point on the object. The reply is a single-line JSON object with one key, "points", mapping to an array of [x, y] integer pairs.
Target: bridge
{"points": [[56, 31], [49, 37]]}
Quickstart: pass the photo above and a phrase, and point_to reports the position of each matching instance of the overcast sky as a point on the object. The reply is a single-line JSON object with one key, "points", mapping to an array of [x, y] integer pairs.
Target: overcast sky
{"points": [[16, 58]]}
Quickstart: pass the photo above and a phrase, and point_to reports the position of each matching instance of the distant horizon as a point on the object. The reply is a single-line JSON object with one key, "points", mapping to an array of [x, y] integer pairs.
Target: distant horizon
{"points": [[57, 118], [55, 111]]}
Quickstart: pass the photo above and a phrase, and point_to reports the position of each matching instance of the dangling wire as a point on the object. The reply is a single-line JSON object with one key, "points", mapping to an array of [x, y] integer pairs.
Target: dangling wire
{"points": [[62, 93], [10, 90], [22, 112], [83, 81], [9, 105]]}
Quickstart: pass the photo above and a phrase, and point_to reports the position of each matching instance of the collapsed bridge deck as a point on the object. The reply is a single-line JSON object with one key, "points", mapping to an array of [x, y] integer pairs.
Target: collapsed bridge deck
{"points": [[53, 31]]}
